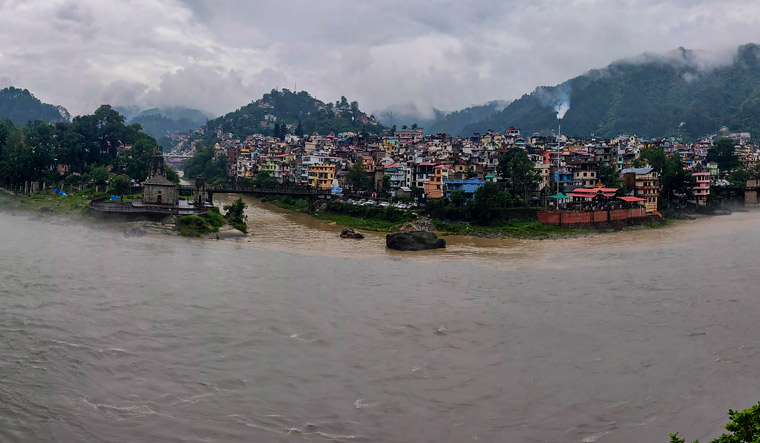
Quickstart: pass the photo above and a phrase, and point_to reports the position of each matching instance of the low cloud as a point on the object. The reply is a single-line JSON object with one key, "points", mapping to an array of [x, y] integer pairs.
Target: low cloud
{"points": [[219, 55]]}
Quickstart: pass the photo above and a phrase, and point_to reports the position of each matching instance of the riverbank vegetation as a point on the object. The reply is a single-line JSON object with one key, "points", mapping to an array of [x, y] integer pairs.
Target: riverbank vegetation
{"points": [[743, 427], [85, 151], [514, 222], [236, 215], [200, 225]]}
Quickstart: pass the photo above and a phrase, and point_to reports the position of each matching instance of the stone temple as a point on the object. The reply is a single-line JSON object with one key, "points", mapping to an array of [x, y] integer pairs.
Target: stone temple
{"points": [[158, 189]]}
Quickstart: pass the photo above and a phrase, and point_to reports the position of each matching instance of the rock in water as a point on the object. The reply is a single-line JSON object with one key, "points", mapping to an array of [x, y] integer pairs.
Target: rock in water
{"points": [[350, 233], [414, 241]]}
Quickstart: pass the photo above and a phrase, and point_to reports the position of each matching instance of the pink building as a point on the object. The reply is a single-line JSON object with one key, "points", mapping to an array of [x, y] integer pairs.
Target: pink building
{"points": [[701, 189]]}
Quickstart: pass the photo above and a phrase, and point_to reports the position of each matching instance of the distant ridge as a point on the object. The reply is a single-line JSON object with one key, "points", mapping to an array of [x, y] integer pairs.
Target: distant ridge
{"points": [[681, 93], [21, 106]]}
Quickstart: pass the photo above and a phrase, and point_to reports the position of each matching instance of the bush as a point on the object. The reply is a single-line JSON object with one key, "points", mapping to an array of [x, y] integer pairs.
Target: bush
{"points": [[236, 215], [198, 225], [744, 427]]}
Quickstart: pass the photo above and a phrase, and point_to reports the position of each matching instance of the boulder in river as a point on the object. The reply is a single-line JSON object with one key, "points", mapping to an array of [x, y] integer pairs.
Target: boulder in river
{"points": [[350, 233], [414, 241]]}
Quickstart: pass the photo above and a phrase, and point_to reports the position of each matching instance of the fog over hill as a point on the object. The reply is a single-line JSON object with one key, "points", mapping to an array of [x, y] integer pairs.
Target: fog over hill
{"points": [[682, 92]]}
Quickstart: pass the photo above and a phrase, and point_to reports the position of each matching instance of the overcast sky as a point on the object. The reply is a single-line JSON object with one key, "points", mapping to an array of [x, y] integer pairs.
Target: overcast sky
{"points": [[217, 55]]}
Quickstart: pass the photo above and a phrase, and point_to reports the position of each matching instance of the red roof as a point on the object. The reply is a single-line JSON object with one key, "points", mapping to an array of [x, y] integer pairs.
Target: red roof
{"points": [[631, 199], [427, 164], [592, 192]]}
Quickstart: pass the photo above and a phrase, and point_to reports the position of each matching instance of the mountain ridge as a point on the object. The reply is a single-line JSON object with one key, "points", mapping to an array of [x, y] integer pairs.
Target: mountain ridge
{"points": [[679, 93], [21, 107]]}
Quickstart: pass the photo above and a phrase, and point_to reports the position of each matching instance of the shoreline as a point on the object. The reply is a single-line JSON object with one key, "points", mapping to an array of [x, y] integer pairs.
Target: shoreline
{"points": [[75, 208], [520, 230]]}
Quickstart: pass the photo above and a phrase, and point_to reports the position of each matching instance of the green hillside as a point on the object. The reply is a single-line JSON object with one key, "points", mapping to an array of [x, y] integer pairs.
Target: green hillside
{"points": [[289, 108], [651, 96], [20, 106]]}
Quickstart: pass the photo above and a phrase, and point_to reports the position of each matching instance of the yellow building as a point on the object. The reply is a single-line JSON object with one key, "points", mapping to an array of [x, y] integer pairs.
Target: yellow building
{"points": [[322, 176]]}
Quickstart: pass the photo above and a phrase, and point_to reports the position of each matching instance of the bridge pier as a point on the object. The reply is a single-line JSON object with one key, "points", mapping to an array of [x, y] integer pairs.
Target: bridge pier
{"points": [[312, 208]]}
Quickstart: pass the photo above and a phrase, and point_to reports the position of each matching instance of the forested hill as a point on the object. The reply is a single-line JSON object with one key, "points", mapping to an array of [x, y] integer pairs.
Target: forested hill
{"points": [[678, 93], [160, 122], [283, 107], [20, 106]]}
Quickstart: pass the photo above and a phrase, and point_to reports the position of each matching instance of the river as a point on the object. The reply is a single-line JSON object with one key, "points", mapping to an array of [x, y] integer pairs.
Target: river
{"points": [[297, 335]]}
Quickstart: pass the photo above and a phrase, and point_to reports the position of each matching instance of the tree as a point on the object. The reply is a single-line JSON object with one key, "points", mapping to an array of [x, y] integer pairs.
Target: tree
{"points": [[609, 175], [236, 215], [121, 185], [743, 427], [676, 180], [458, 198], [724, 154], [385, 188], [489, 203], [265, 180], [299, 129], [276, 130], [738, 178], [98, 175], [171, 174], [520, 172], [358, 178], [135, 162], [414, 126], [653, 156]]}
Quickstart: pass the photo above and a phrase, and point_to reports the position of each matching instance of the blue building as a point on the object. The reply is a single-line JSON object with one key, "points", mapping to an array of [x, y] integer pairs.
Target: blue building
{"points": [[469, 186]]}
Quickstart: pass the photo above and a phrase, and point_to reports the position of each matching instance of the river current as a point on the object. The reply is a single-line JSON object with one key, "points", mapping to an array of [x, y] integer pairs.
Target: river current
{"points": [[297, 335]]}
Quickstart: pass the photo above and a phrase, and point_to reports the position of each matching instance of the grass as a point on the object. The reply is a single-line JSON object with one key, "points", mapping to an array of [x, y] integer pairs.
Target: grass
{"points": [[522, 229], [366, 224], [47, 201], [199, 225]]}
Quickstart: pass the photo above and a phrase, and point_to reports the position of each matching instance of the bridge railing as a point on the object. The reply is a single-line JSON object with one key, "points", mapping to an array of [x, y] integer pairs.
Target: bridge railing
{"points": [[241, 189]]}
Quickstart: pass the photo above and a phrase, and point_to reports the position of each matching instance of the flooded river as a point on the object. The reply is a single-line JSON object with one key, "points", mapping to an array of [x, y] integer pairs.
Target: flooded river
{"points": [[297, 335]]}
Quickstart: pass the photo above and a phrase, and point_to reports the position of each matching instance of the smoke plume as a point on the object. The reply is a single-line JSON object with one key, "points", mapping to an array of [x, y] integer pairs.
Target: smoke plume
{"points": [[557, 98]]}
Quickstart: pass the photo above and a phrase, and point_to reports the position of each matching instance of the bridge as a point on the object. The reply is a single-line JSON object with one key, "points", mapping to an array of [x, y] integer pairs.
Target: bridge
{"points": [[233, 188], [177, 161]]}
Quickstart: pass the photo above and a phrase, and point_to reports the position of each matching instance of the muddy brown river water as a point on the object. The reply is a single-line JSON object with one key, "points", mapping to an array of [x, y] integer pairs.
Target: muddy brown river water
{"points": [[298, 335]]}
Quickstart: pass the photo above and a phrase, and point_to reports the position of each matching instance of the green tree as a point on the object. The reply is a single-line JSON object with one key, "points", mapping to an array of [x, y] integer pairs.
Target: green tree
{"points": [[98, 176], [385, 187], [236, 215], [738, 178], [299, 129], [724, 154], [609, 175], [653, 156], [743, 427], [520, 172], [358, 178], [171, 174], [489, 203], [265, 180], [121, 185], [677, 182], [458, 198], [135, 162]]}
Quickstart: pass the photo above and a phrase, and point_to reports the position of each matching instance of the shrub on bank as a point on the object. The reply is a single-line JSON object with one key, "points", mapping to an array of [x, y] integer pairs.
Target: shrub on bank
{"points": [[198, 225]]}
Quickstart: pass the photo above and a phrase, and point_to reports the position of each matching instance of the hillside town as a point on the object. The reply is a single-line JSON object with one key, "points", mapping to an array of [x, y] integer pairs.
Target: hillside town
{"points": [[408, 165]]}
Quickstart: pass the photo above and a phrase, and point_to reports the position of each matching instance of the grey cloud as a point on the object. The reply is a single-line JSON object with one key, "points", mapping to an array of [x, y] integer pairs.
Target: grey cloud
{"points": [[220, 54]]}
